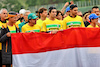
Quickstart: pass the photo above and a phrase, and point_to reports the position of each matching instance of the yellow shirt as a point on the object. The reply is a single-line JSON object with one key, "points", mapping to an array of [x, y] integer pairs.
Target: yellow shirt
{"points": [[18, 22], [73, 22], [50, 25], [61, 21], [26, 28], [1, 24], [12, 29], [39, 22], [90, 26]]}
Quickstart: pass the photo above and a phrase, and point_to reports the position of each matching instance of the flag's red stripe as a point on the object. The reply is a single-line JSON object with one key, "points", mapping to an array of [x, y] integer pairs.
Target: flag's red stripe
{"points": [[42, 42]]}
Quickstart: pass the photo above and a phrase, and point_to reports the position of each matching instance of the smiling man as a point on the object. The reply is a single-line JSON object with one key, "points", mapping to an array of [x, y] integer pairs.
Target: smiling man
{"points": [[31, 26]]}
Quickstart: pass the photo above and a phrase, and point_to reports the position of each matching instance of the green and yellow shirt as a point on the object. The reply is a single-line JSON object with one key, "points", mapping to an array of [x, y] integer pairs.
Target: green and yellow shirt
{"points": [[26, 28], [72, 22], [50, 25]]}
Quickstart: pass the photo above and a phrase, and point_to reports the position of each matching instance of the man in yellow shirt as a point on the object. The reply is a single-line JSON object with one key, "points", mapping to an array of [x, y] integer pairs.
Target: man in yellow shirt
{"points": [[31, 26], [3, 16], [42, 15], [93, 19], [51, 24], [59, 15], [5, 39], [73, 20]]}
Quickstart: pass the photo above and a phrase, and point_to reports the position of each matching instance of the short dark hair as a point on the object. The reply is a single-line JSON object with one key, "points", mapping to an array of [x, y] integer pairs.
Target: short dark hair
{"points": [[85, 13], [59, 12], [95, 7], [36, 11], [41, 10], [51, 8], [73, 6]]}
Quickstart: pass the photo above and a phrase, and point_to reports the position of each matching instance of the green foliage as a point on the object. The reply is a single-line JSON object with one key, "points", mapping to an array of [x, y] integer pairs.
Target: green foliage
{"points": [[15, 5]]}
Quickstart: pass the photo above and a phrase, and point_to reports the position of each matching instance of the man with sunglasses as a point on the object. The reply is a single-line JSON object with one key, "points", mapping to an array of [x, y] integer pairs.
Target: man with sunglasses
{"points": [[31, 26], [51, 25], [5, 39], [3, 16]]}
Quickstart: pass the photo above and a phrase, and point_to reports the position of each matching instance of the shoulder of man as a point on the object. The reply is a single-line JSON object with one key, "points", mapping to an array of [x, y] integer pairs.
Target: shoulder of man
{"points": [[24, 25], [79, 17], [4, 25]]}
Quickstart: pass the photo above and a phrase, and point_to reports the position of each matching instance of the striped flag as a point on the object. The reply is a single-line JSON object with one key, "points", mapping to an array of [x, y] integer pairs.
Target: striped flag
{"points": [[75, 47]]}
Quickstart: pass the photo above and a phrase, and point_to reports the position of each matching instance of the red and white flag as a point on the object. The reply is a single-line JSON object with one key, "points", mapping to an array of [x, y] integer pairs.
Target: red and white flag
{"points": [[75, 47]]}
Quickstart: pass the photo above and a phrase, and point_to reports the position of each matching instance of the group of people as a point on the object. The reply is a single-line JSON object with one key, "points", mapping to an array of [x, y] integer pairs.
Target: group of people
{"points": [[48, 21]]}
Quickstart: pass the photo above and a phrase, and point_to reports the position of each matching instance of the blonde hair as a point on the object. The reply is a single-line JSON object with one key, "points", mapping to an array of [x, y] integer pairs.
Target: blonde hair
{"points": [[85, 16]]}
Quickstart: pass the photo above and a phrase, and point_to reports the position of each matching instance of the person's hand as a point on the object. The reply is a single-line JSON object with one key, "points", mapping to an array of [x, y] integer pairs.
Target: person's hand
{"points": [[32, 31], [8, 34], [66, 4], [71, 2], [54, 31], [61, 30]]}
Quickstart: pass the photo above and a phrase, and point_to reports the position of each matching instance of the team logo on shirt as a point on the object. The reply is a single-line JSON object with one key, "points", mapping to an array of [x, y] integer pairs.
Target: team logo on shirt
{"points": [[54, 29], [71, 23], [57, 25]]}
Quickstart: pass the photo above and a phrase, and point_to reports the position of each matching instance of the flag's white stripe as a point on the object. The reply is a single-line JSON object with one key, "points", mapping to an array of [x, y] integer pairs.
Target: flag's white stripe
{"points": [[75, 57]]}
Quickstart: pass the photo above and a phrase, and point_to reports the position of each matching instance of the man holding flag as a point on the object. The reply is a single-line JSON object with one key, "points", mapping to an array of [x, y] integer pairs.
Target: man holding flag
{"points": [[5, 39]]}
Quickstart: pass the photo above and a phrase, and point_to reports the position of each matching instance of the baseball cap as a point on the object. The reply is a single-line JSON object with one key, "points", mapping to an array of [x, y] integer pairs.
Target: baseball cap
{"points": [[11, 14], [68, 9], [93, 16], [22, 11], [32, 16]]}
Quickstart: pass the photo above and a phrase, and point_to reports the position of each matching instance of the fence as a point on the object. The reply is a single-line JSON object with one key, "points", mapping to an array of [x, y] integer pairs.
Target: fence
{"points": [[83, 5]]}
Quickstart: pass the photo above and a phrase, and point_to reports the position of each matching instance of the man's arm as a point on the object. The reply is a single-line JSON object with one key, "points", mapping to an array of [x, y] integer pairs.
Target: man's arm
{"points": [[4, 36], [63, 9], [66, 4]]}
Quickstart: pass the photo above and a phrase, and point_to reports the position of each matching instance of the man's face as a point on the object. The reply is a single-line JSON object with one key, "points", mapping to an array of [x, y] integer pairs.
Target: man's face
{"points": [[95, 20], [33, 21], [87, 18], [74, 11], [96, 11], [67, 13], [18, 16], [13, 19], [26, 16], [4, 14], [59, 16], [44, 14], [53, 13]]}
